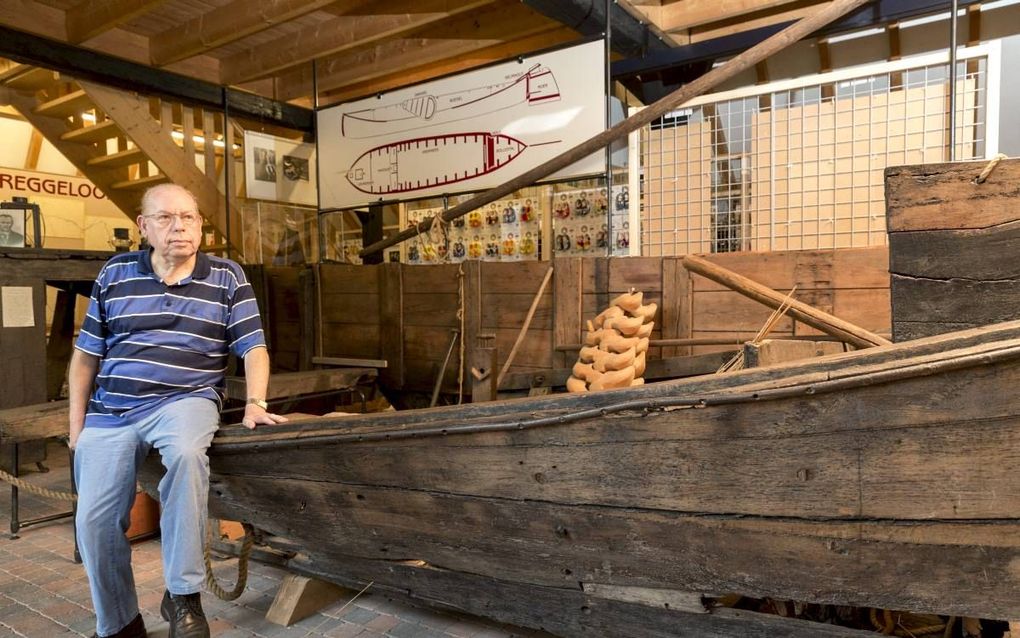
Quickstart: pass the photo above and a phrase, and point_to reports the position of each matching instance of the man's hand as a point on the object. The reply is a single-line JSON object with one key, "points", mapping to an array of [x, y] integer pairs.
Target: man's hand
{"points": [[255, 415]]}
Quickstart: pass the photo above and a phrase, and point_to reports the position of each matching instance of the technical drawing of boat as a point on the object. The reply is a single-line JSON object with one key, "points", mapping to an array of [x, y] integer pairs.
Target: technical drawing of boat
{"points": [[426, 162], [538, 85]]}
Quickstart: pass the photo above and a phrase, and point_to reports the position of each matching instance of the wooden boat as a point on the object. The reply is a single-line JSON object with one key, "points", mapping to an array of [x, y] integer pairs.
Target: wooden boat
{"points": [[881, 477]]}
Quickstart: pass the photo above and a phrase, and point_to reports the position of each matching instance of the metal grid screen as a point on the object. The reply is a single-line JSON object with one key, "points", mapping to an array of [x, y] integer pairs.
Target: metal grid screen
{"points": [[801, 168]]}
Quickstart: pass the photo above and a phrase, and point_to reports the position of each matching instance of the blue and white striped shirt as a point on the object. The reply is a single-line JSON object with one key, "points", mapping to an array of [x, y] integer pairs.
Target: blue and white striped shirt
{"points": [[158, 342]]}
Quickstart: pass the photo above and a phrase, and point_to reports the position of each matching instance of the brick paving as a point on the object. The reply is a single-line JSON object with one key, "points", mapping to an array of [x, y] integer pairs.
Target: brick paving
{"points": [[44, 593]]}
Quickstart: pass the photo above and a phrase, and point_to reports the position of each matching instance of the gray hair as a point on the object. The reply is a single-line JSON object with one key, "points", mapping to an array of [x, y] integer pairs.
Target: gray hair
{"points": [[154, 192]]}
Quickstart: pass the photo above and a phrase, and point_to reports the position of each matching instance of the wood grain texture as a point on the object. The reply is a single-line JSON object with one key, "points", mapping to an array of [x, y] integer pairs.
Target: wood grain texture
{"points": [[884, 490], [945, 196]]}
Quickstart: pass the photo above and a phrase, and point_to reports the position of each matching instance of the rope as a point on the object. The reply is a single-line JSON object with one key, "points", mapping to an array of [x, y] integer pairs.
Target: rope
{"points": [[242, 566], [991, 167], [210, 578], [22, 484]]}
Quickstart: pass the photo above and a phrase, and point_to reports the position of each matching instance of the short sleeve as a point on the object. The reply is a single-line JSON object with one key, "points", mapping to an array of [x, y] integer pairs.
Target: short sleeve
{"points": [[93, 333], [244, 325]]}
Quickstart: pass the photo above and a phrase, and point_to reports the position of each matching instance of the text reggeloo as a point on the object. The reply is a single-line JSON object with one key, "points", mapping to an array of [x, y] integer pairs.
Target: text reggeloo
{"points": [[50, 186]]}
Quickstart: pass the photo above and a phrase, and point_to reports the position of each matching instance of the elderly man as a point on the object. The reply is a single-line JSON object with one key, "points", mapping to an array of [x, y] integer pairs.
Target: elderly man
{"points": [[7, 235], [155, 343]]}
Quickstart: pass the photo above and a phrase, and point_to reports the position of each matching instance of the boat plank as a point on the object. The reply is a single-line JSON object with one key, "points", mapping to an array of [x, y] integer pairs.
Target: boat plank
{"points": [[642, 273], [958, 254], [790, 457], [564, 611], [508, 310], [338, 278], [348, 307], [870, 563], [946, 196], [431, 309], [353, 340], [954, 300]]}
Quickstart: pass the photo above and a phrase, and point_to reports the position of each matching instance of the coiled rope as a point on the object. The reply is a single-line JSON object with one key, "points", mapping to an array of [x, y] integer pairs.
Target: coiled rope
{"points": [[210, 578]]}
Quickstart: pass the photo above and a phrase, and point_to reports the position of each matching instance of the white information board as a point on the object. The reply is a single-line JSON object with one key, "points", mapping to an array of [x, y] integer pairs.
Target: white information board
{"points": [[463, 133]]}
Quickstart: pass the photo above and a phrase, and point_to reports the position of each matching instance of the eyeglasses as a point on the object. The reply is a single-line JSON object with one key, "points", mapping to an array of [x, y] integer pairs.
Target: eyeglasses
{"points": [[163, 220]]}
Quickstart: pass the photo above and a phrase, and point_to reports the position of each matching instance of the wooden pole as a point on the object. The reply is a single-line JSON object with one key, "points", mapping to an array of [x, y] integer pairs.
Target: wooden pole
{"points": [[829, 324], [524, 328], [761, 51]]}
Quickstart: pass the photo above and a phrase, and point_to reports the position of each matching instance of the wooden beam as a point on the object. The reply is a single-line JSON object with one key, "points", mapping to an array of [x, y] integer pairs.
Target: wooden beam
{"points": [[813, 317], [723, 28], [450, 40], [761, 51], [680, 16], [299, 597], [470, 60], [89, 18], [34, 147], [389, 19], [225, 24]]}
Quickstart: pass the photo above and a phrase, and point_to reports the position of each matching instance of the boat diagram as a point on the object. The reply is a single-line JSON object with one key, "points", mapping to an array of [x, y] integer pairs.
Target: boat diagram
{"points": [[437, 160], [463, 132], [536, 86]]}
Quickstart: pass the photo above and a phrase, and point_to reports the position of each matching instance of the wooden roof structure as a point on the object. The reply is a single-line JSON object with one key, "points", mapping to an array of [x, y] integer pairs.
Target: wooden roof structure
{"points": [[361, 47]]}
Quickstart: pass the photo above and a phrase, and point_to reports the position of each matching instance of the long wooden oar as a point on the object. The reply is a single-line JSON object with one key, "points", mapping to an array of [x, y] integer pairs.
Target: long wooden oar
{"points": [[793, 33]]}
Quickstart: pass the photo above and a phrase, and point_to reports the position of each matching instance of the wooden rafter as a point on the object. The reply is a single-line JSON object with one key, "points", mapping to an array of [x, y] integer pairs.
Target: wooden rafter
{"points": [[34, 148], [680, 16], [226, 24], [456, 38], [389, 19], [748, 22], [554, 37], [89, 18]]}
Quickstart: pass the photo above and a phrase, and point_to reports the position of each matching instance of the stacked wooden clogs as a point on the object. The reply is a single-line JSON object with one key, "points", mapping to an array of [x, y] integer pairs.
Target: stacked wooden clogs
{"points": [[614, 350]]}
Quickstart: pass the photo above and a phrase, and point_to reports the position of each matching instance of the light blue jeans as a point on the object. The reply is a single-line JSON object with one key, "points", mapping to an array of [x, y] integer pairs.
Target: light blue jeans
{"points": [[106, 462]]}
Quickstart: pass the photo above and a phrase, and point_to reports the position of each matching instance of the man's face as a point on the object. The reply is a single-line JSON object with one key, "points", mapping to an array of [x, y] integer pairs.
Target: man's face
{"points": [[6, 223], [174, 227]]}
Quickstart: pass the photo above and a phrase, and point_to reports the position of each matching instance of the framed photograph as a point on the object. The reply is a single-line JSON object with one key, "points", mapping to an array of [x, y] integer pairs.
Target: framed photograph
{"points": [[12, 227]]}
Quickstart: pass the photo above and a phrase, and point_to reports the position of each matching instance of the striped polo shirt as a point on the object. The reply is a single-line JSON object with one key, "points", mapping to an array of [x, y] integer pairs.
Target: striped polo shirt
{"points": [[158, 342]]}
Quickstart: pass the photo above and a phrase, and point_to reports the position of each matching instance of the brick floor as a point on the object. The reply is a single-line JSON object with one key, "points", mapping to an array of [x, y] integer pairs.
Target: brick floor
{"points": [[44, 593]]}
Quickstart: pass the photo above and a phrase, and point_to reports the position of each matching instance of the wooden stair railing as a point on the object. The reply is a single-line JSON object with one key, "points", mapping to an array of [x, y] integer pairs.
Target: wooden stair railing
{"points": [[124, 143]]}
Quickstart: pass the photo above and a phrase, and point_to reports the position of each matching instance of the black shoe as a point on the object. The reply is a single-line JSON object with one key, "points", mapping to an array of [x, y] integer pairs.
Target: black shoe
{"points": [[185, 615], [134, 629]]}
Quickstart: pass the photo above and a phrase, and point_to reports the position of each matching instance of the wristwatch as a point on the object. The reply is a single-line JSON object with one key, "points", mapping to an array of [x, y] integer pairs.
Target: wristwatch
{"points": [[259, 402]]}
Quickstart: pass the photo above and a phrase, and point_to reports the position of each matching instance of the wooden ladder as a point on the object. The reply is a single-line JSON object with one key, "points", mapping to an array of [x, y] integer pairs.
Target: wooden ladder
{"points": [[124, 143]]}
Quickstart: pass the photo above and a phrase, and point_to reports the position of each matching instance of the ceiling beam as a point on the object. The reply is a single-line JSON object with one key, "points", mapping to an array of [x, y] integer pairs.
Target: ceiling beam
{"points": [[788, 13], [556, 36], [630, 36], [42, 20], [880, 12], [390, 19], [225, 24], [89, 18], [456, 38], [90, 65], [681, 16]]}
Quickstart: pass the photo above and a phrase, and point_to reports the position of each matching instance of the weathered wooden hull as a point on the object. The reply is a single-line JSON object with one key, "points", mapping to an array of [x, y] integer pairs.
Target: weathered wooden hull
{"points": [[878, 478]]}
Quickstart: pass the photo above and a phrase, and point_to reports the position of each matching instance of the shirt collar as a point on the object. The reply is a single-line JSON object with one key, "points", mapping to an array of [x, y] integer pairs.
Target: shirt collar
{"points": [[203, 266]]}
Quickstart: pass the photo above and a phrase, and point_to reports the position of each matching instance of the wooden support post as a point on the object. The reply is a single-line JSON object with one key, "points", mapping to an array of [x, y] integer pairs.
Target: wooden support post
{"points": [[813, 317], [524, 328], [299, 597], [306, 316], [567, 300], [58, 347], [482, 365]]}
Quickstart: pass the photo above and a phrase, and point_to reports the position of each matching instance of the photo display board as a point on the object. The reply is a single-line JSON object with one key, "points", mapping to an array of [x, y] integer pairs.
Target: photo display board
{"points": [[278, 169], [467, 132]]}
